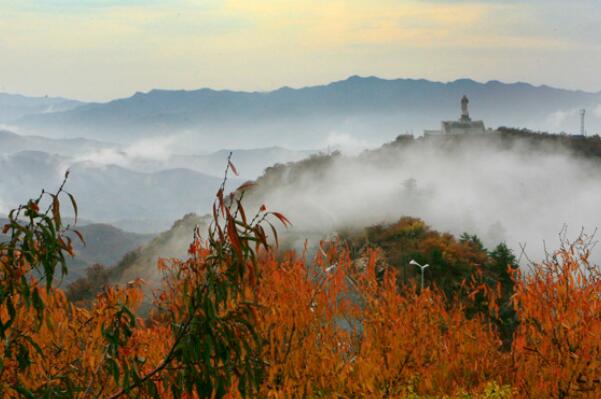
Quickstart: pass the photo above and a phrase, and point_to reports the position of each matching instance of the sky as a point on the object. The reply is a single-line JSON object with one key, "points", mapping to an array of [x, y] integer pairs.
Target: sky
{"points": [[97, 50]]}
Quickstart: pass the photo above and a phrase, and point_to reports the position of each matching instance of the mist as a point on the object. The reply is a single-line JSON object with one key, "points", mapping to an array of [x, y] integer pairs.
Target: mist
{"points": [[503, 192], [142, 187]]}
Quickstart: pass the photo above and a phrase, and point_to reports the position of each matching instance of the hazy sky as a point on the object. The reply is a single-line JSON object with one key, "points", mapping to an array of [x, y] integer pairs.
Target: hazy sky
{"points": [[103, 49]]}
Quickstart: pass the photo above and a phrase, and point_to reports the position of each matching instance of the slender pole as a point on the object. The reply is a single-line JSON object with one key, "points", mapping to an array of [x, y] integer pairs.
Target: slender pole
{"points": [[421, 268]]}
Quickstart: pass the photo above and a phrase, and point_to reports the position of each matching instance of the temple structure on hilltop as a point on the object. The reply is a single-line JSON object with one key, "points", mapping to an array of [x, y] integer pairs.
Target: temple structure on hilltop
{"points": [[465, 124]]}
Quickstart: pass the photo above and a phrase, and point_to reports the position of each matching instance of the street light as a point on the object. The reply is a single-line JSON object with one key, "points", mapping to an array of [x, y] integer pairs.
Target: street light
{"points": [[422, 268]]}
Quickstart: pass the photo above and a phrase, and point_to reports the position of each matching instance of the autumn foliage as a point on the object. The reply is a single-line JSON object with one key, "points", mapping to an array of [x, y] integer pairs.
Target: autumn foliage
{"points": [[239, 318], [557, 347]]}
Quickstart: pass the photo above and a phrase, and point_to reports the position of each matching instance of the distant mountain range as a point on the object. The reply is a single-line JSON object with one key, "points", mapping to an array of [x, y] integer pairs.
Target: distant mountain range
{"points": [[14, 106], [116, 185], [250, 162], [366, 108], [109, 193]]}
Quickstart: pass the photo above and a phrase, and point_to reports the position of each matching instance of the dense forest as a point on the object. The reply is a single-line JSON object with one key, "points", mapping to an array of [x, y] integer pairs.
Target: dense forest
{"points": [[244, 316]]}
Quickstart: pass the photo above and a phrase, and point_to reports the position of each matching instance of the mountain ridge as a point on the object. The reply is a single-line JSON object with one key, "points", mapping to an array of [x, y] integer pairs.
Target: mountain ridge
{"points": [[357, 78], [358, 106]]}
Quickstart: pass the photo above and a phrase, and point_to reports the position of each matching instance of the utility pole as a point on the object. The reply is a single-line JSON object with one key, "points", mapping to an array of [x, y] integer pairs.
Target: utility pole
{"points": [[422, 268], [582, 114]]}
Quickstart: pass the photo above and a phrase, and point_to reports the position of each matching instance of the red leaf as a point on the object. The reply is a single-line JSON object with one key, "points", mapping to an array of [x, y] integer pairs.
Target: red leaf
{"points": [[282, 218], [80, 236], [242, 212], [246, 186], [233, 236], [220, 201], [260, 234], [233, 168], [193, 248], [275, 235]]}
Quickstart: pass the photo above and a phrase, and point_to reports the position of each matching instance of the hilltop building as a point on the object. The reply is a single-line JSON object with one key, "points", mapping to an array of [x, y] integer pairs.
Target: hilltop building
{"points": [[465, 124]]}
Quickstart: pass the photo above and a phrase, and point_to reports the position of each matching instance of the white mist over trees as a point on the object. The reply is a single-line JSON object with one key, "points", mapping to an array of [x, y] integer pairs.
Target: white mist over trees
{"points": [[514, 190]]}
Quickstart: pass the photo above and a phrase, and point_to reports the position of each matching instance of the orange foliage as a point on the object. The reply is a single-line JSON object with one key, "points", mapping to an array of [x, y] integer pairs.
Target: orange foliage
{"points": [[68, 344], [339, 332], [335, 328], [557, 346]]}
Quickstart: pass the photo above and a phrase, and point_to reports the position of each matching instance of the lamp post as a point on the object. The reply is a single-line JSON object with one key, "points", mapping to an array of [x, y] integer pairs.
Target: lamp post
{"points": [[422, 268]]}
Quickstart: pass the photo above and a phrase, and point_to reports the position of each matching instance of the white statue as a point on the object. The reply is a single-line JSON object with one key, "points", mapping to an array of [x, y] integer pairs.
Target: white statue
{"points": [[465, 114]]}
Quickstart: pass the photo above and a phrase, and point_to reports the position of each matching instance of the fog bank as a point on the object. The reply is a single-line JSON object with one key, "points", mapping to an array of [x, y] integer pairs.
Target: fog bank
{"points": [[517, 191]]}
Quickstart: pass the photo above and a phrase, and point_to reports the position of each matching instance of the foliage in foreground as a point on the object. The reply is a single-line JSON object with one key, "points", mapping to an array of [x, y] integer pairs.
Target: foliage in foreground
{"points": [[239, 319]]}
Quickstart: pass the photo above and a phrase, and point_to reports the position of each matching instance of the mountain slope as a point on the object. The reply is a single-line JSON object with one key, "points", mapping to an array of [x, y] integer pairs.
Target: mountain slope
{"points": [[104, 244], [172, 243], [11, 142]]}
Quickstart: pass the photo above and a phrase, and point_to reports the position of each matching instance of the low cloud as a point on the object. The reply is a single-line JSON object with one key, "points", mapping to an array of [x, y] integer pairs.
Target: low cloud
{"points": [[157, 150], [520, 195]]}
